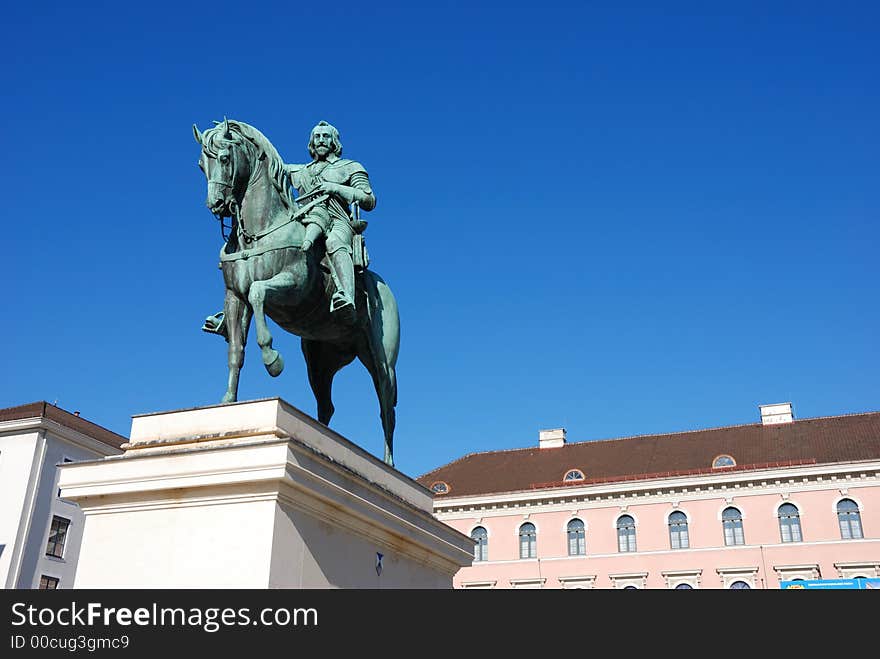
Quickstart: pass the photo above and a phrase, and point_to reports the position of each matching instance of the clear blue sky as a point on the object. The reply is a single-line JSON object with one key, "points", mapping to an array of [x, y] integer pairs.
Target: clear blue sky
{"points": [[620, 218]]}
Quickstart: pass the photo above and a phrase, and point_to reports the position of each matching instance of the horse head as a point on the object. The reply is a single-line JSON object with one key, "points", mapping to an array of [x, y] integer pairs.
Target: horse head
{"points": [[225, 164]]}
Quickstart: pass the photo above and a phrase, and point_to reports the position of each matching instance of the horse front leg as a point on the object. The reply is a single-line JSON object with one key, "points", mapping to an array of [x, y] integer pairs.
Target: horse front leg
{"points": [[237, 315], [277, 288]]}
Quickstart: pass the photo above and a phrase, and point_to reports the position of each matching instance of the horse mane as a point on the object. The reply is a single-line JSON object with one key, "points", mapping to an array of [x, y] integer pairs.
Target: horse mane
{"points": [[252, 139]]}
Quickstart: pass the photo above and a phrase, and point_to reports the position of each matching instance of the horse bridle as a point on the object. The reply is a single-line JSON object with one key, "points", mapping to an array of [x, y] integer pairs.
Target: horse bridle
{"points": [[231, 203], [243, 233]]}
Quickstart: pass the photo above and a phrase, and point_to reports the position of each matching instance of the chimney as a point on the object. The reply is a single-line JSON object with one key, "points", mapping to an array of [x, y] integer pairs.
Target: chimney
{"points": [[551, 438], [776, 413]]}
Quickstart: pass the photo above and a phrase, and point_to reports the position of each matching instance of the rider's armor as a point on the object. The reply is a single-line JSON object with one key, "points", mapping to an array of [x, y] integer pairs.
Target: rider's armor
{"points": [[332, 218]]}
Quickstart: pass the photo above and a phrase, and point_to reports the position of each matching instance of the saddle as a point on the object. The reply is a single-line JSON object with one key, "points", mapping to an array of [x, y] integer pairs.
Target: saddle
{"points": [[360, 258]]}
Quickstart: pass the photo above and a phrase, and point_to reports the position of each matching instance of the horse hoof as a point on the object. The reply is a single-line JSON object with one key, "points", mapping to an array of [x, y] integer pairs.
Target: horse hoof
{"points": [[276, 365]]}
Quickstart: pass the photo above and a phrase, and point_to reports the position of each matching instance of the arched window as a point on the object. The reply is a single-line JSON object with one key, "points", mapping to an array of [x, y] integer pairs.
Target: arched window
{"points": [[577, 544], [481, 544], [849, 519], [678, 530], [740, 585], [789, 523], [528, 541], [626, 533], [573, 475], [732, 522], [439, 488], [723, 461], [684, 586]]}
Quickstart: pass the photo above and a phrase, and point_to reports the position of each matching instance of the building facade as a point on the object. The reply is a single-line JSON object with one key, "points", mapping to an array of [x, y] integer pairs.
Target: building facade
{"points": [[40, 533], [739, 507]]}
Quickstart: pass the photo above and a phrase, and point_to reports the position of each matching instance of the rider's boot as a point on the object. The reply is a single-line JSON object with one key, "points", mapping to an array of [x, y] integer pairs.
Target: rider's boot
{"points": [[313, 230], [342, 304]]}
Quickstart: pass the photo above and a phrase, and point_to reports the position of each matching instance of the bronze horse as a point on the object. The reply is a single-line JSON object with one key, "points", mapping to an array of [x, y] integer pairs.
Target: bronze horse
{"points": [[266, 273]]}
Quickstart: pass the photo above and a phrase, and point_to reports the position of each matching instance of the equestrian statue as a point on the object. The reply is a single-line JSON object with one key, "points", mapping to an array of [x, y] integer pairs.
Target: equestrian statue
{"points": [[300, 260]]}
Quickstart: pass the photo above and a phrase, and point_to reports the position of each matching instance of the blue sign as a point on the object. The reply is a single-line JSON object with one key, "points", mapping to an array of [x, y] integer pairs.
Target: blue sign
{"points": [[831, 584]]}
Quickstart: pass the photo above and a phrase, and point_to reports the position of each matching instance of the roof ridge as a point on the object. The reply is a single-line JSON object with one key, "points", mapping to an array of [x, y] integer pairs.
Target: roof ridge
{"points": [[714, 428], [51, 411], [837, 416], [645, 436]]}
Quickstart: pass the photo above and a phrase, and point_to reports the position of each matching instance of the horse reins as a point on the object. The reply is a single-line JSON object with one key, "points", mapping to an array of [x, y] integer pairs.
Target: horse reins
{"points": [[234, 210]]}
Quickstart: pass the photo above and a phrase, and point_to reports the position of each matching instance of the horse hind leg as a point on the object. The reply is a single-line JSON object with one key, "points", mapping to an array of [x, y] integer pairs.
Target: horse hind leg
{"points": [[378, 351], [385, 383], [323, 361], [387, 403]]}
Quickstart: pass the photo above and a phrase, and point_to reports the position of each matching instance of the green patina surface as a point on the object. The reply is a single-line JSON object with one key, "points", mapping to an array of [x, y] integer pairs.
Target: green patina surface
{"points": [[300, 260]]}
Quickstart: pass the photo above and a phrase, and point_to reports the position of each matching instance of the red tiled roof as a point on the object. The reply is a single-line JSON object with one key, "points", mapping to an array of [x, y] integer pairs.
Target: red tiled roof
{"points": [[805, 441], [65, 418]]}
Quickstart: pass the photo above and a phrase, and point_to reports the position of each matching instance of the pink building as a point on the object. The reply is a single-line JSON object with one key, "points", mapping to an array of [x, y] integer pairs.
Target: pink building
{"points": [[737, 507]]}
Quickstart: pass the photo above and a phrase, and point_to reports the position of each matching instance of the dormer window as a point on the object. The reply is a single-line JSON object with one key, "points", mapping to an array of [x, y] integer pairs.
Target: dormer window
{"points": [[573, 475], [723, 461], [439, 488]]}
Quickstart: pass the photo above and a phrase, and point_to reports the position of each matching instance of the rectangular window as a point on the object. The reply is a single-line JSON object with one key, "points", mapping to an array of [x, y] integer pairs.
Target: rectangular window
{"points": [[626, 540], [48, 583], [678, 537], [733, 534], [57, 536], [850, 528], [481, 550], [856, 527], [790, 530]]}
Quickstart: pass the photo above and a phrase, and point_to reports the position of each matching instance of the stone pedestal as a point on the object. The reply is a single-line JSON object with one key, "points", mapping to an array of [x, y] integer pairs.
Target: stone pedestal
{"points": [[254, 495]]}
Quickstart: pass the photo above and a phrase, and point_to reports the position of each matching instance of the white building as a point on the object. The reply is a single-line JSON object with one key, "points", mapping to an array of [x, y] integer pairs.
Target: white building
{"points": [[40, 533]]}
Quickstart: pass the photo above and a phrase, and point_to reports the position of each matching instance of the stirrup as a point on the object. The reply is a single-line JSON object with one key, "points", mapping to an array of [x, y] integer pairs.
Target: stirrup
{"points": [[340, 301], [343, 309], [216, 324]]}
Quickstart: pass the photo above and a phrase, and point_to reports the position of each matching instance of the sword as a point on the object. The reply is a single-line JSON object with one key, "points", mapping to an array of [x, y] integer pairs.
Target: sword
{"points": [[305, 196]]}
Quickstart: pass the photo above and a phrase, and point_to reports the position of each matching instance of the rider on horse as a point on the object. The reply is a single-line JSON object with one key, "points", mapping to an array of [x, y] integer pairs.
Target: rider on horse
{"points": [[341, 182], [346, 182]]}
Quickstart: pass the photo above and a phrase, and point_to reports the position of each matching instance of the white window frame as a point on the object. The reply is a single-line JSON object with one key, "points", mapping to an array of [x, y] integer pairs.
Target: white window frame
{"points": [[676, 577], [519, 539], [742, 519], [530, 583], [582, 582], [800, 518], [40, 577], [806, 572], [687, 522], [478, 584], [616, 528], [488, 534], [730, 574], [621, 581], [861, 509], [851, 570], [64, 546], [723, 455], [567, 541]]}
